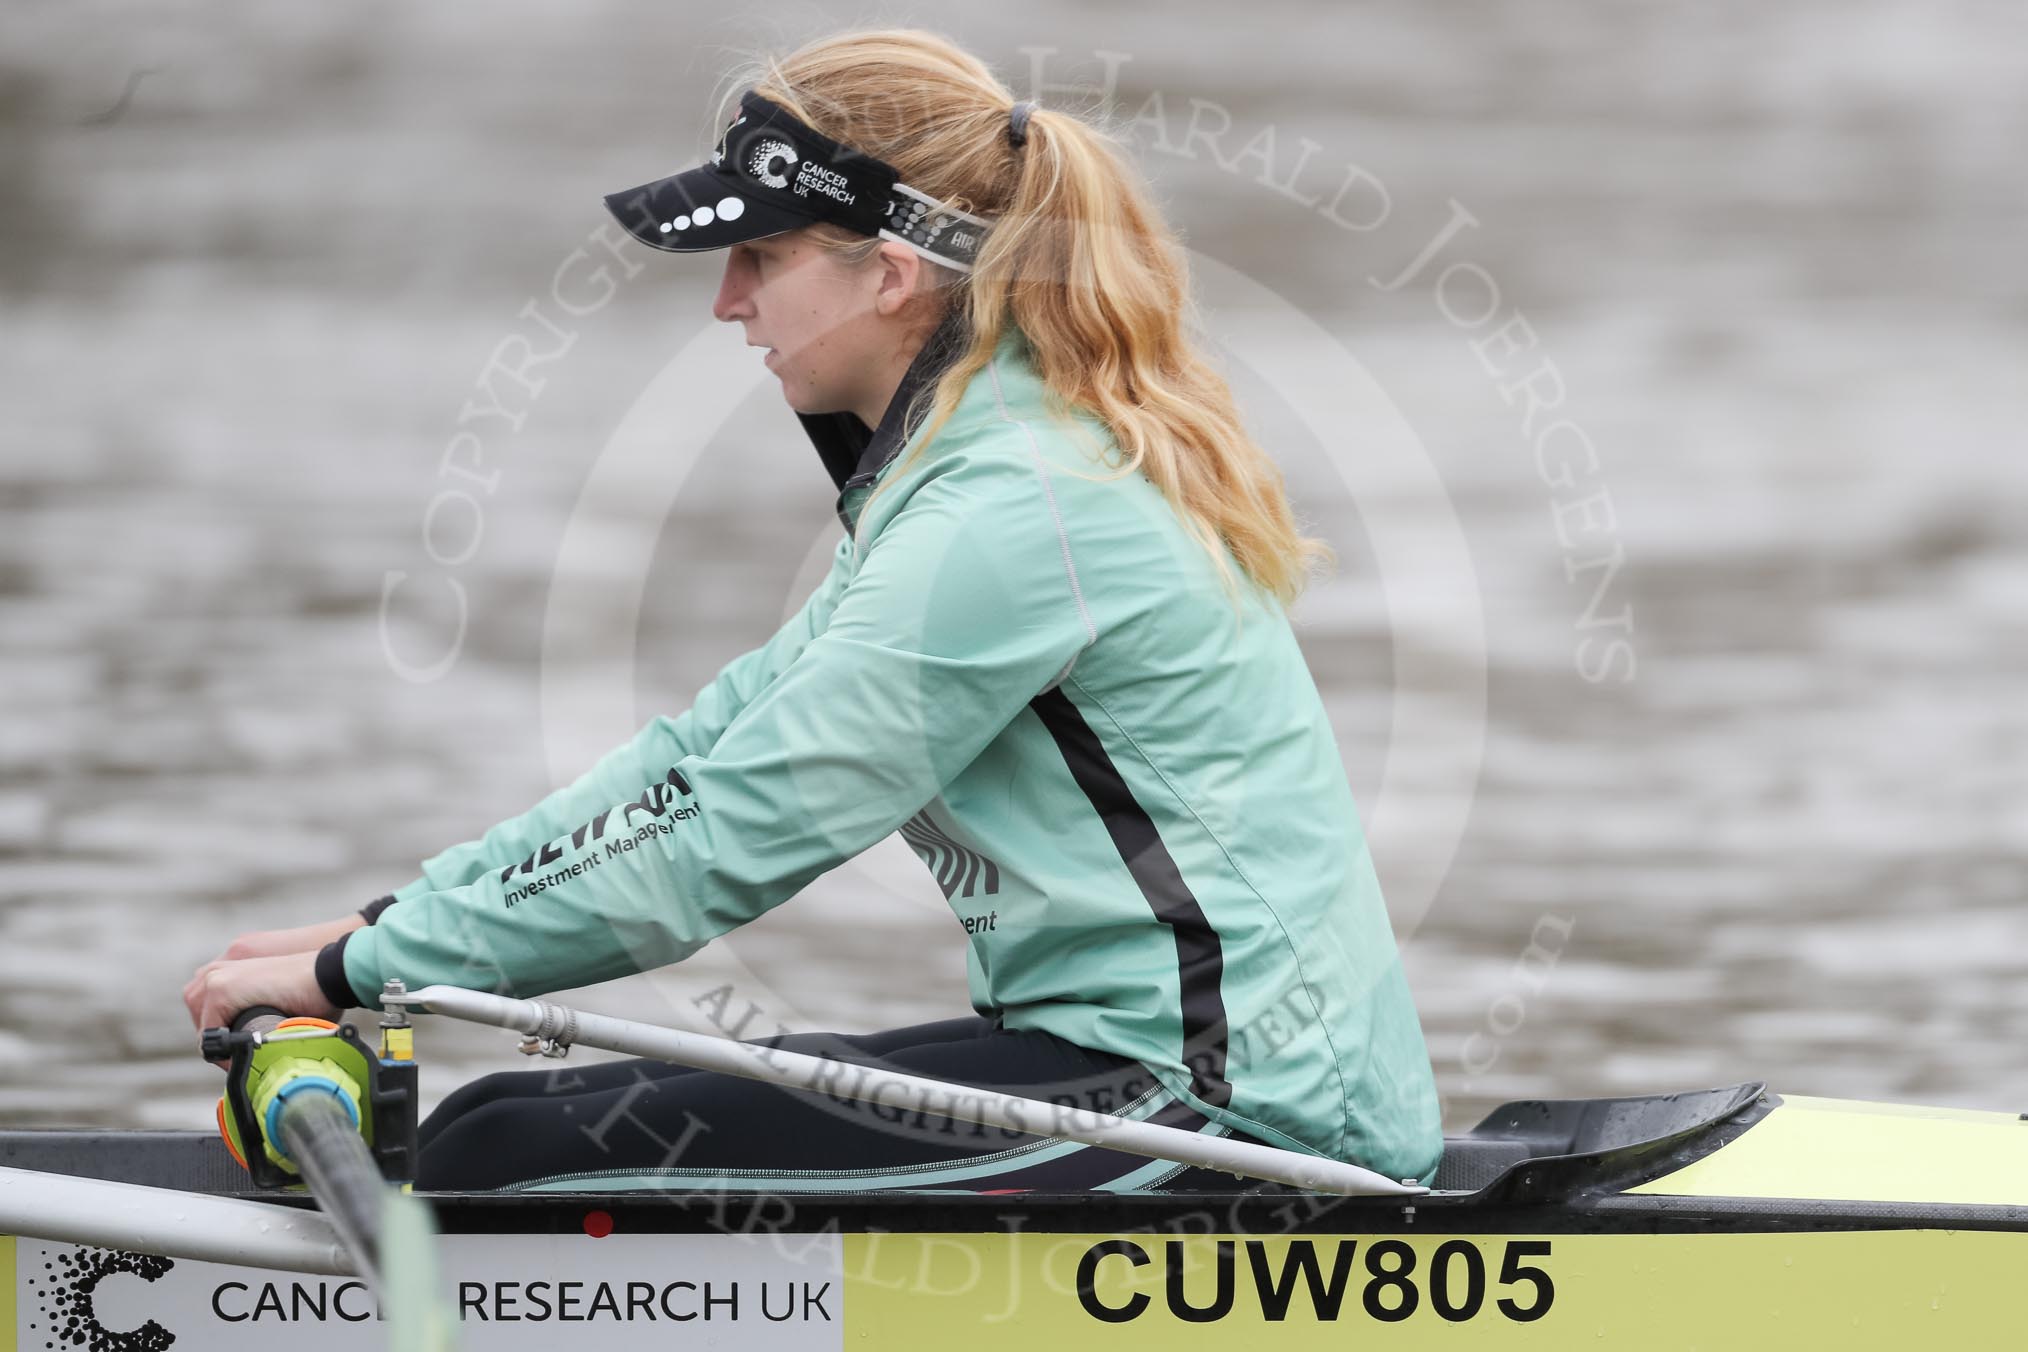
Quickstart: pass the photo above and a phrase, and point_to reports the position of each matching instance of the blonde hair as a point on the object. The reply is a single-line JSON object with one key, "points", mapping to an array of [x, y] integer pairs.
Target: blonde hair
{"points": [[1078, 259]]}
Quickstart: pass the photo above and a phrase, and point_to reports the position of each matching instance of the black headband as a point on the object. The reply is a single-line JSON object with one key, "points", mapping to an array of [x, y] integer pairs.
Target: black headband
{"points": [[772, 173]]}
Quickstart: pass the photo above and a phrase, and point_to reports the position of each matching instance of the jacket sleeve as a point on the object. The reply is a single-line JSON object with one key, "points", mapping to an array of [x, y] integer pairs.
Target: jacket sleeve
{"points": [[961, 611], [623, 771]]}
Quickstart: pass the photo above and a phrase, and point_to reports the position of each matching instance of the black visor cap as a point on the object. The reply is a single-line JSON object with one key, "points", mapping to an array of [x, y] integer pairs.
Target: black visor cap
{"points": [[770, 173]]}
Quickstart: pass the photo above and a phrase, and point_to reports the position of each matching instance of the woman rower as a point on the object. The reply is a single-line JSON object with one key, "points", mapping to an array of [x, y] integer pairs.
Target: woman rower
{"points": [[1052, 650]]}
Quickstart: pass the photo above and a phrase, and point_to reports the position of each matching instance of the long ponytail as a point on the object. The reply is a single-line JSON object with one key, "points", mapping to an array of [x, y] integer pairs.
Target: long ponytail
{"points": [[1079, 260]]}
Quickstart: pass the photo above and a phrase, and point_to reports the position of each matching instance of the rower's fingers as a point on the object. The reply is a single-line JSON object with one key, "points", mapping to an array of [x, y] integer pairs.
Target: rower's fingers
{"points": [[216, 1002], [196, 998], [218, 995], [191, 987], [193, 992]]}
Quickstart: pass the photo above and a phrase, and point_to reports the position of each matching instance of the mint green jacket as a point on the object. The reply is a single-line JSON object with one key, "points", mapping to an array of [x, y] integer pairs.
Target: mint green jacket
{"points": [[1121, 776]]}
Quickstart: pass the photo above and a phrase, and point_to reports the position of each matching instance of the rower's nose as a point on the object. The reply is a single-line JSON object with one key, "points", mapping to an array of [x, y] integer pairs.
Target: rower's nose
{"points": [[735, 288]]}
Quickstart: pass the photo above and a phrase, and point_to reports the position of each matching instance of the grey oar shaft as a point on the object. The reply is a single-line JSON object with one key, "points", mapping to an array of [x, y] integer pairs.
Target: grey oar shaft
{"points": [[390, 1236], [164, 1221], [869, 1084], [320, 1137]]}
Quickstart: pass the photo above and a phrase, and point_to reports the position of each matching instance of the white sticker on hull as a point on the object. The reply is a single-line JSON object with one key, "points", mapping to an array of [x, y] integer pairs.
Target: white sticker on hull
{"points": [[512, 1292]]}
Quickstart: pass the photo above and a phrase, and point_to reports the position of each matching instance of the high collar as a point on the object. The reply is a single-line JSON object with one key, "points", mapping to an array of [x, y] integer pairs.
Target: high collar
{"points": [[852, 455]]}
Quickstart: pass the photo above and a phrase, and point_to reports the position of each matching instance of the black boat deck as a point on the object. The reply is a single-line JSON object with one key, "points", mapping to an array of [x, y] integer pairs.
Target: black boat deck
{"points": [[1534, 1151]]}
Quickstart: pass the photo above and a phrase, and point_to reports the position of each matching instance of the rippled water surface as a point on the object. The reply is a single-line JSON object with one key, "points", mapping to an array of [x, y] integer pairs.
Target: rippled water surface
{"points": [[1769, 260]]}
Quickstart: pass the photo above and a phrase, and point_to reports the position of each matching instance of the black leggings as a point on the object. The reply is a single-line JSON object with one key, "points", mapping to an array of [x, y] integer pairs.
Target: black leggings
{"points": [[640, 1124]]}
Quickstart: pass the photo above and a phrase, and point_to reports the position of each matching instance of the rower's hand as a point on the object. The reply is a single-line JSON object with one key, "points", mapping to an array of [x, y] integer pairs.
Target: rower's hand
{"points": [[224, 987], [302, 939], [267, 944]]}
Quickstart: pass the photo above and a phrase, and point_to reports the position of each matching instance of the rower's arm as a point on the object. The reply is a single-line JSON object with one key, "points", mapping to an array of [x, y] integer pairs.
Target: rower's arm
{"points": [[624, 770], [961, 611]]}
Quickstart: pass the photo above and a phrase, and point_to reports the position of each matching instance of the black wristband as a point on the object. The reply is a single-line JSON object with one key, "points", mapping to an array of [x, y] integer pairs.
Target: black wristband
{"points": [[331, 975], [372, 909]]}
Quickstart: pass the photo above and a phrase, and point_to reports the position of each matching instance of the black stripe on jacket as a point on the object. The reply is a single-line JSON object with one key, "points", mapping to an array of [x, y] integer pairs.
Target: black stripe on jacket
{"points": [[1199, 958]]}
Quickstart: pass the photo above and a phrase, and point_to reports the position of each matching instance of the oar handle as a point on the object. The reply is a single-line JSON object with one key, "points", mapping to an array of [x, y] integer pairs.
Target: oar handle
{"points": [[213, 1044], [246, 1018]]}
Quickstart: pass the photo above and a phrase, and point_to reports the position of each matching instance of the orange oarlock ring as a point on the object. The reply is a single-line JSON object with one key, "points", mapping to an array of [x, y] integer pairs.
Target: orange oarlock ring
{"points": [[225, 1134]]}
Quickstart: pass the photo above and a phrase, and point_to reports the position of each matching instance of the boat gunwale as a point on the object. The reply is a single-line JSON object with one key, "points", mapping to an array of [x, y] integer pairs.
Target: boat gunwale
{"points": [[1581, 1191]]}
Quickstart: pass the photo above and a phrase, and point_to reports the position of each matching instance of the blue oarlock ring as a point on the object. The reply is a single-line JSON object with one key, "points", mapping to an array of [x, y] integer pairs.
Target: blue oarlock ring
{"points": [[272, 1127]]}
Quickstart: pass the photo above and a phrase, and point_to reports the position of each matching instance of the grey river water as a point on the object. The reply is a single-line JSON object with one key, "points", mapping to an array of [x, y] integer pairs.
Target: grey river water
{"points": [[1702, 763]]}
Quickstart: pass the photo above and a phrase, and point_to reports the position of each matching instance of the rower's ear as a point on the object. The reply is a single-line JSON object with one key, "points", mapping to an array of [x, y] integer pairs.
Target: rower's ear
{"points": [[898, 277]]}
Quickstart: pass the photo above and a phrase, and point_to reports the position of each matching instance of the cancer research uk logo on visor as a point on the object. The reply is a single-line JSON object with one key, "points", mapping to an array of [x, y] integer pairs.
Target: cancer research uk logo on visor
{"points": [[771, 162], [776, 164]]}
